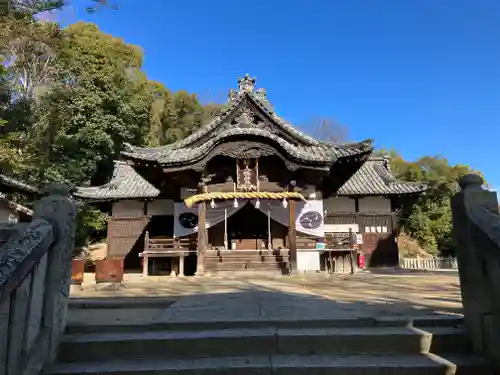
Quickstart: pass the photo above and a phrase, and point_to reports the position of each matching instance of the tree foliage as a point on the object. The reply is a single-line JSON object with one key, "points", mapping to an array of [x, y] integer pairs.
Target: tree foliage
{"points": [[70, 98], [23, 8], [429, 219]]}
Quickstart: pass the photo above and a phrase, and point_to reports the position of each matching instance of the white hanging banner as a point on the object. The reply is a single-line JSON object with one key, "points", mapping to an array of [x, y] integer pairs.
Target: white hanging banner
{"points": [[308, 215], [186, 218]]}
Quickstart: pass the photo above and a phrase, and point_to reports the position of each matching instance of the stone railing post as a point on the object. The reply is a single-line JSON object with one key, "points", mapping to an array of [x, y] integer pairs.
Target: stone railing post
{"points": [[478, 263], [58, 209]]}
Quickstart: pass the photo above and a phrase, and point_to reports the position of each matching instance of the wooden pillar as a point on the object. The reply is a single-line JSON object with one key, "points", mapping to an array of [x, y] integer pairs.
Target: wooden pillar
{"points": [[292, 245], [145, 265], [145, 260], [202, 233], [181, 265]]}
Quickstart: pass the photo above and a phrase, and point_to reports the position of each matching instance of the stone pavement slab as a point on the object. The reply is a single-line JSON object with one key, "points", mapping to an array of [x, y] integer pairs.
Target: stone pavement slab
{"points": [[229, 299]]}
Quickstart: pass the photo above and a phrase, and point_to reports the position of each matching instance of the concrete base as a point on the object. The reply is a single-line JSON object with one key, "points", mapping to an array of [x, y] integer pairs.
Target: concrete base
{"points": [[109, 286]]}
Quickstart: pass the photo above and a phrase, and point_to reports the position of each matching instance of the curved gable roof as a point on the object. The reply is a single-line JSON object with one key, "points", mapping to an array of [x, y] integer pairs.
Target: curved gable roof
{"points": [[299, 146]]}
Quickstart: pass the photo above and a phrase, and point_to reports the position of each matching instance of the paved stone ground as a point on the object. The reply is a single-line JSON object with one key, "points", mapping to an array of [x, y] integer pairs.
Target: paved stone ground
{"points": [[380, 294]]}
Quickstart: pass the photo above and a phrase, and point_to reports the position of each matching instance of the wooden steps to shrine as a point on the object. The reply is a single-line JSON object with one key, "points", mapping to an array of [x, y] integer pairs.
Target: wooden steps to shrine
{"points": [[246, 260], [391, 348]]}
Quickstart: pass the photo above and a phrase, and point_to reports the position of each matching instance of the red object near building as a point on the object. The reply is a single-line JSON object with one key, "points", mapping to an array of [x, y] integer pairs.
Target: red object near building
{"points": [[361, 260], [109, 271], [77, 270]]}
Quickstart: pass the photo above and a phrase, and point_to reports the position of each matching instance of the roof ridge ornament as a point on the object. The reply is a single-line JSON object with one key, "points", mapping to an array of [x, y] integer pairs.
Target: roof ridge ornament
{"points": [[246, 84]]}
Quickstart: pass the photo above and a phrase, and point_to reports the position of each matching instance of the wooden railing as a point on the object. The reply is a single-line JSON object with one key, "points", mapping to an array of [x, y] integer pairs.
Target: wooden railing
{"points": [[428, 263], [35, 273], [168, 244], [332, 241]]}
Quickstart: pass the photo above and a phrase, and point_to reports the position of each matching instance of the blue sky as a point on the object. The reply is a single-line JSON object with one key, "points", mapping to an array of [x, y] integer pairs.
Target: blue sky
{"points": [[421, 76]]}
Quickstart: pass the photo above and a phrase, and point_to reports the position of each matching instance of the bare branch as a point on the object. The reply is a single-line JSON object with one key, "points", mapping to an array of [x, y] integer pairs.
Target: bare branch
{"points": [[328, 130]]}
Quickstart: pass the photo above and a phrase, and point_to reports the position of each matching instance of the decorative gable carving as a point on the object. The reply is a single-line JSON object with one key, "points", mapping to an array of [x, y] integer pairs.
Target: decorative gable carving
{"points": [[247, 150], [246, 119]]}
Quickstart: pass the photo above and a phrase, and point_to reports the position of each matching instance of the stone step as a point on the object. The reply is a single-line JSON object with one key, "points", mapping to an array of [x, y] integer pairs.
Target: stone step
{"points": [[262, 341], [245, 265], [245, 259], [285, 365], [103, 320], [239, 258], [249, 272]]}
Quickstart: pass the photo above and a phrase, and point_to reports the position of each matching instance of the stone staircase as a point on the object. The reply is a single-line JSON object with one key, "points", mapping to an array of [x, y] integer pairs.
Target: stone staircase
{"points": [[220, 262], [425, 346]]}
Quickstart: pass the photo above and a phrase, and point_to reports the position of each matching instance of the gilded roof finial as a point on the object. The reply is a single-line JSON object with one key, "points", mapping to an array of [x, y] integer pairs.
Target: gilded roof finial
{"points": [[246, 84]]}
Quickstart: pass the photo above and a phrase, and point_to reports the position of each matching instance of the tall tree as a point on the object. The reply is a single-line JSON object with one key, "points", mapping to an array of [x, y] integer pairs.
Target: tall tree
{"points": [[101, 101], [29, 50]]}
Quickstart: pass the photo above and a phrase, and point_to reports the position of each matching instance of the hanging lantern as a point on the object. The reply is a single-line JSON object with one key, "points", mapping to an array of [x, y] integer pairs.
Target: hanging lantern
{"points": [[235, 204], [212, 204], [285, 203], [257, 204]]}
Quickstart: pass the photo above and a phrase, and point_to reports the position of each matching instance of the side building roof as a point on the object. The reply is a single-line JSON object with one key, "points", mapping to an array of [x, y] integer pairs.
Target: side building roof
{"points": [[10, 184], [373, 178], [125, 183], [15, 206]]}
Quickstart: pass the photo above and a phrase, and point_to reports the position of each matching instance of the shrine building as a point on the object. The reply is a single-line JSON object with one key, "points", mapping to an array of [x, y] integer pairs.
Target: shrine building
{"points": [[249, 191]]}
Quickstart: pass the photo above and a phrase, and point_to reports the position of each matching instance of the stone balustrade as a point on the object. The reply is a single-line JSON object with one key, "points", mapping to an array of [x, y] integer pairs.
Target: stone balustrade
{"points": [[449, 263], [476, 230], [35, 274]]}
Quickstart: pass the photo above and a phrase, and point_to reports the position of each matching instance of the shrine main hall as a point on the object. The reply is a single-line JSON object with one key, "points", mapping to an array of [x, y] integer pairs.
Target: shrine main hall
{"points": [[249, 191]]}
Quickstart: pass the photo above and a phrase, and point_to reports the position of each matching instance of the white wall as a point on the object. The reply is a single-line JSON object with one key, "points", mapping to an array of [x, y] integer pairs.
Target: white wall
{"points": [[339, 204], [374, 204], [128, 208], [161, 207]]}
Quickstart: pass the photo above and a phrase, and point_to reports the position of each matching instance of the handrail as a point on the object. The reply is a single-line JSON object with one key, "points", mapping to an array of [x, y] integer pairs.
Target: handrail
{"points": [[35, 274], [22, 253], [476, 231]]}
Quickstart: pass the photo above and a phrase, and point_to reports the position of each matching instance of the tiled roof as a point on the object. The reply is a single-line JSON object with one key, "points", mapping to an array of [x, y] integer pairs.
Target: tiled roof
{"points": [[17, 185], [16, 206], [375, 178], [320, 153], [124, 184], [304, 148]]}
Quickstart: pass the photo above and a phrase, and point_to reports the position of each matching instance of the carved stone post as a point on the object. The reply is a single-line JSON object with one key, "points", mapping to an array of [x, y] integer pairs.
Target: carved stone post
{"points": [[60, 211], [475, 224], [202, 232], [292, 233]]}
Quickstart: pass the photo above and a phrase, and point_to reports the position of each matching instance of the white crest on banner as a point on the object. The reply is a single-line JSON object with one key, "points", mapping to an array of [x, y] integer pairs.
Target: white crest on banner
{"points": [[309, 217], [186, 218]]}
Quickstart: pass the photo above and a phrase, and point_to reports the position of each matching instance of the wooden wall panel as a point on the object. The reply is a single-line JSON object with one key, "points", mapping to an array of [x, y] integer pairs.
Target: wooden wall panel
{"points": [[123, 234]]}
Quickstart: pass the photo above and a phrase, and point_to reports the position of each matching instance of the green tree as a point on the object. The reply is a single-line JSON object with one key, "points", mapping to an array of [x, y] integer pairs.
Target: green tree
{"points": [[429, 219], [22, 8], [101, 100]]}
